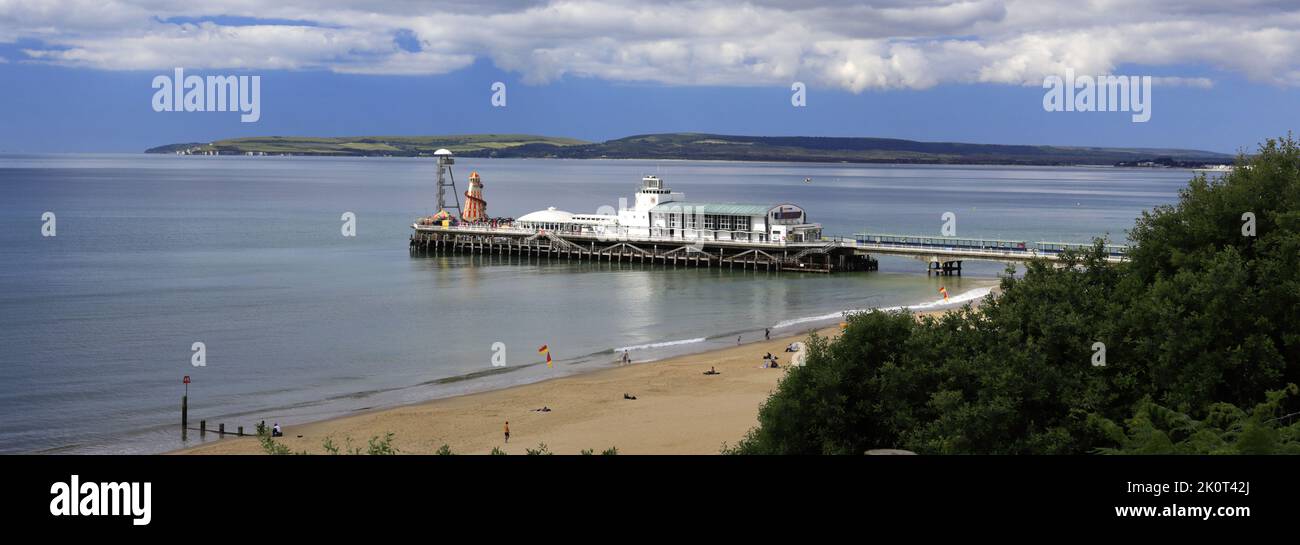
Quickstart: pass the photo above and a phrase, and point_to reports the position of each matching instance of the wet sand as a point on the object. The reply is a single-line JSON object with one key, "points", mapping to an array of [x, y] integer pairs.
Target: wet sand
{"points": [[677, 410]]}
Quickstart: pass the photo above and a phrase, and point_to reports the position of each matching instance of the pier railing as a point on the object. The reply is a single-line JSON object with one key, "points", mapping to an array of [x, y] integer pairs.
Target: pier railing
{"points": [[473, 229], [825, 254]]}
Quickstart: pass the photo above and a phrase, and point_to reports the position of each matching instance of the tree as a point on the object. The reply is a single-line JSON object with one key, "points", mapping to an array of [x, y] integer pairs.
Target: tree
{"points": [[1200, 318], [1226, 429]]}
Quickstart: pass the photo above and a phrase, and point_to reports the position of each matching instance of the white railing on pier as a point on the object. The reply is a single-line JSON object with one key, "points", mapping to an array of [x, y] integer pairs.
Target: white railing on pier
{"points": [[826, 243]]}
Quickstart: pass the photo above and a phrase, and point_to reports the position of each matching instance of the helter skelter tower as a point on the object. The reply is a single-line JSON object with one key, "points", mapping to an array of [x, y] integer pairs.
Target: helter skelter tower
{"points": [[475, 206]]}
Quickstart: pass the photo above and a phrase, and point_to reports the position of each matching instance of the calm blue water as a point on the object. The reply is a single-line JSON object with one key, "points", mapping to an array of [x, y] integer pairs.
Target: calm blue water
{"points": [[154, 253]]}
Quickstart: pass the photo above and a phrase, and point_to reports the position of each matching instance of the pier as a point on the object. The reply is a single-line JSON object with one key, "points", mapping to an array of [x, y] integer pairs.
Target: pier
{"points": [[664, 228], [944, 256], [817, 257]]}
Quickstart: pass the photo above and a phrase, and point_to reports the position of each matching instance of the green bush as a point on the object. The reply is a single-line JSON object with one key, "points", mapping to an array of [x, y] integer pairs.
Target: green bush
{"points": [[270, 445], [381, 447], [541, 450], [1200, 318], [1226, 429]]}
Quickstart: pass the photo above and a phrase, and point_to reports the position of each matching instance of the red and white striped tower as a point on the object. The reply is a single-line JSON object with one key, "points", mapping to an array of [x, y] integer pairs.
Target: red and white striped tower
{"points": [[475, 206]]}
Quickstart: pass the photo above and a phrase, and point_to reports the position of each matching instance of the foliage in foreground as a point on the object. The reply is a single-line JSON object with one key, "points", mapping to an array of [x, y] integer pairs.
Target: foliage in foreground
{"points": [[375, 447], [1224, 430], [1201, 320], [384, 446]]}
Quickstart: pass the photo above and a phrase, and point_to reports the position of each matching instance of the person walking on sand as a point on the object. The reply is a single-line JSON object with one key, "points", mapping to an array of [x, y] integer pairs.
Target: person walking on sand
{"points": [[507, 431], [626, 358], [767, 334]]}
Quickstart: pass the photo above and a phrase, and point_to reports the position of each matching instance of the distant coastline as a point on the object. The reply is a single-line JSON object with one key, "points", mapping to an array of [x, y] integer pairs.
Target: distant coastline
{"points": [[701, 146]]}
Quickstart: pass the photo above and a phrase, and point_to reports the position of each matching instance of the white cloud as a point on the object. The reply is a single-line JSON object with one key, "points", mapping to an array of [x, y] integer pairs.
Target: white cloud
{"points": [[851, 45], [1202, 83]]}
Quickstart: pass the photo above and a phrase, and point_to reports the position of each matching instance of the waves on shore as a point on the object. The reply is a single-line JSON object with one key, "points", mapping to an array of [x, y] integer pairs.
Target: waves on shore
{"points": [[660, 344], [958, 300]]}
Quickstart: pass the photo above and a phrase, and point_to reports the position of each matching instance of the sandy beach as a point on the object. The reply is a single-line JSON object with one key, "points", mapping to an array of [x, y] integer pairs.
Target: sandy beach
{"points": [[677, 410]]}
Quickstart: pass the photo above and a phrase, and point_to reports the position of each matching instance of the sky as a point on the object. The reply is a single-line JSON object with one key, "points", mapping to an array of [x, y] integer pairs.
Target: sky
{"points": [[77, 76]]}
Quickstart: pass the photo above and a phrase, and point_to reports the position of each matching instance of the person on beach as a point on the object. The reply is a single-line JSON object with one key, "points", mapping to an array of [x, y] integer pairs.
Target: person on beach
{"points": [[767, 334], [275, 430], [507, 431], [626, 358], [737, 340]]}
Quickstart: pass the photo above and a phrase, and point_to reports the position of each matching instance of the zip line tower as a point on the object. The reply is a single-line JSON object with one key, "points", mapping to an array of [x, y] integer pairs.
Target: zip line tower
{"points": [[446, 179]]}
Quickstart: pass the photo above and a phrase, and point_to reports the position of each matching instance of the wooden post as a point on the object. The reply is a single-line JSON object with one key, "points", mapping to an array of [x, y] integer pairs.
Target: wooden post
{"points": [[241, 431], [221, 429], [203, 428], [185, 411]]}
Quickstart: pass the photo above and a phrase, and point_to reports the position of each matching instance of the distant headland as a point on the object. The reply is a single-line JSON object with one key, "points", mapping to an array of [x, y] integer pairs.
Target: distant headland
{"points": [[701, 146]]}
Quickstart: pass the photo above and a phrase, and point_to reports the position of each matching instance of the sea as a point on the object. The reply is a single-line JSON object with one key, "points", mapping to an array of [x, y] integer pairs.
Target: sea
{"points": [[156, 260]]}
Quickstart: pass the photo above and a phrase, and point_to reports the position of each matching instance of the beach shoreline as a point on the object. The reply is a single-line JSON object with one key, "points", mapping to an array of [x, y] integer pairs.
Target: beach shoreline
{"points": [[678, 410]]}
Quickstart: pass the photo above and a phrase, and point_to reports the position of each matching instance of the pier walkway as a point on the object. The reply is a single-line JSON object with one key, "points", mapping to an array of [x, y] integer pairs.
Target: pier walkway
{"points": [[944, 255]]}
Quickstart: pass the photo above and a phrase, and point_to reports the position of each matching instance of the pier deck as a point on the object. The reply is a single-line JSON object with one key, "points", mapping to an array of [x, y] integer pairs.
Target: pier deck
{"points": [[821, 256], [831, 254]]}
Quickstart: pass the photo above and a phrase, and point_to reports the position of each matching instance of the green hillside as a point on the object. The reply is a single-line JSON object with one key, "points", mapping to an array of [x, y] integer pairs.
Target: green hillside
{"points": [[365, 145], [703, 146]]}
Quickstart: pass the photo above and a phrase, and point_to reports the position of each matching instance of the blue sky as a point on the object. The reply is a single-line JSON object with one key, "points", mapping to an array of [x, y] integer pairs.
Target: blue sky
{"points": [[89, 91]]}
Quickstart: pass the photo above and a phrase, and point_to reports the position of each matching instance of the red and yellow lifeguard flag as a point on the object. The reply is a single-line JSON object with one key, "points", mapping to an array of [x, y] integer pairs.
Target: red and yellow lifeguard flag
{"points": [[944, 291], [545, 350]]}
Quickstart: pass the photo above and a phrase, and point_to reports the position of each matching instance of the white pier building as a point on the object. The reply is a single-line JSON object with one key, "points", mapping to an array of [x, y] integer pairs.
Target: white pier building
{"points": [[658, 213]]}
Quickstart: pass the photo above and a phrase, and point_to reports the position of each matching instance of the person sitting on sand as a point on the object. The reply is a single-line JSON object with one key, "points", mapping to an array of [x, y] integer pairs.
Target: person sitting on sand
{"points": [[627, 396], [711, 371], [791, 348], [275, 430]]}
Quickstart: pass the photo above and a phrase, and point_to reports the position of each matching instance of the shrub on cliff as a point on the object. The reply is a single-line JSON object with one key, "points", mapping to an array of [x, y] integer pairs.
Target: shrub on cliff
{"points": [[1204, 315]]}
